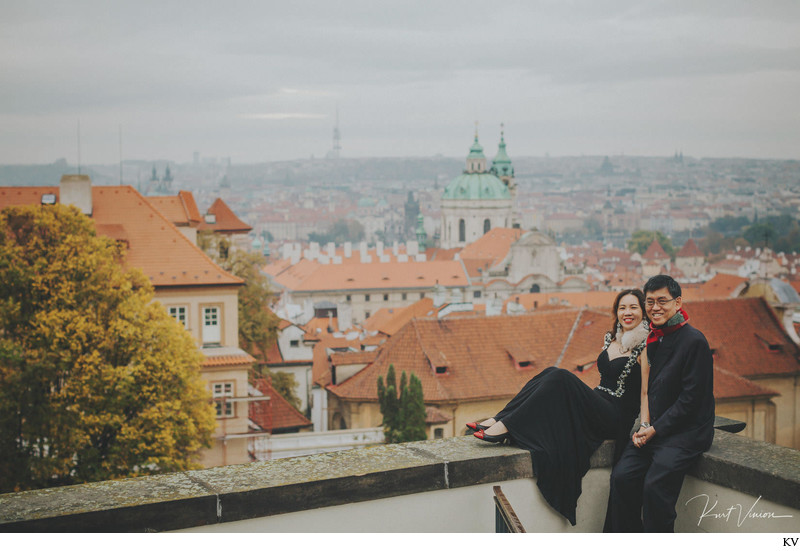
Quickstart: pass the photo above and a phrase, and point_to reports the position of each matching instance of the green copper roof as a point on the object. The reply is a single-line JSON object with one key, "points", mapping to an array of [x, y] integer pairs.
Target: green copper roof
{"points": [[501, 165], [476, 151], [476, 186]]}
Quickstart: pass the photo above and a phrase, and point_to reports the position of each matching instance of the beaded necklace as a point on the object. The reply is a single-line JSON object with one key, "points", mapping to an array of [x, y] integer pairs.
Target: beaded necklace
{"points": [[625, 370]]}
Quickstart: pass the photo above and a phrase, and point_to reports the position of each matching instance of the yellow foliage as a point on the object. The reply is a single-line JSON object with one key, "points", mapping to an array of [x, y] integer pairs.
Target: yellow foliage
{"points": [[96, 380]]}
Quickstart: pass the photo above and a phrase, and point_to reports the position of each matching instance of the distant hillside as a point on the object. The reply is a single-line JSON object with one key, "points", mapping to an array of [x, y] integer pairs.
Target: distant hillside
{"points": [[37, 175]]}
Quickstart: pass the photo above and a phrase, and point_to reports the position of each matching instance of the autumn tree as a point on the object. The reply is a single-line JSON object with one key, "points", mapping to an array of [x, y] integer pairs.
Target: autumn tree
{"points": [[97, 381]]}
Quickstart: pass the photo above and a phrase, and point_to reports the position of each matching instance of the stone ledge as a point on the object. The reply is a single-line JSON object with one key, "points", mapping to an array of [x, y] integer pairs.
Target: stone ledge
{"points": [[751, 467], [239, 492]]}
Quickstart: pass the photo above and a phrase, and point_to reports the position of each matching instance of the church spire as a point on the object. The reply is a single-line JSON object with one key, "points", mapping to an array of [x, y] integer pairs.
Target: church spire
{"points": [[476, 160]]}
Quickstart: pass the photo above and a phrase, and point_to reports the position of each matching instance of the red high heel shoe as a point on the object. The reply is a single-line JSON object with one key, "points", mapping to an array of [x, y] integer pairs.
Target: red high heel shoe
{"points": [[499, 438], [476, 426]]}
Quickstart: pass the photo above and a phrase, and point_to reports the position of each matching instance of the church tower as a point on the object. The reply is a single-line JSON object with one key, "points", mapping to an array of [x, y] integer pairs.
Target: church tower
{"points": [[503, 169], [476, 201]]}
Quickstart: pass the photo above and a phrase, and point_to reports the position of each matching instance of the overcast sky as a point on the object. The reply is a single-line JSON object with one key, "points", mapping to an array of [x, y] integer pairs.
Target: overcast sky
{"points": [[261, 81]]}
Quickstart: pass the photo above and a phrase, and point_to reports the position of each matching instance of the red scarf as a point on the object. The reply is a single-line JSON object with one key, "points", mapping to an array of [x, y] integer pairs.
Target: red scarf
{"points": [[657, 332]]}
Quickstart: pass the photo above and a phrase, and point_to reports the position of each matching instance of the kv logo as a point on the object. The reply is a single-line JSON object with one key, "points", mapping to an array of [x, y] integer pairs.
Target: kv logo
{"points": [[790, 542]]}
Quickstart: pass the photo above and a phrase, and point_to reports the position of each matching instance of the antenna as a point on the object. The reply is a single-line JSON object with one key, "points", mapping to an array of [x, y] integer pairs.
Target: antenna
{"points": [[337, 145], [79, 146], [120, 154]]}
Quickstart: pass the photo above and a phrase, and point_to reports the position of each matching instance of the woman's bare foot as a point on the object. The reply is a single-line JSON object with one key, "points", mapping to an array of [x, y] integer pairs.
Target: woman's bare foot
{"points": [[496, 429]]}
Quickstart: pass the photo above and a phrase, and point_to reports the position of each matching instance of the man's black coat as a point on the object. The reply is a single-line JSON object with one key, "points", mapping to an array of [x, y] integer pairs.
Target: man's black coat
{"points": [[680, 390]]}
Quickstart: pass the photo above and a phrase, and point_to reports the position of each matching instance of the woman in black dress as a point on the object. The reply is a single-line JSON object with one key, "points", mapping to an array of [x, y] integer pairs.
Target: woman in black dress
{"points": [[562, 421]]}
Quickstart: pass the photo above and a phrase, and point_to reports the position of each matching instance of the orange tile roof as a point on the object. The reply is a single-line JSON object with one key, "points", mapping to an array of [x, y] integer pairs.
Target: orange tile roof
{"points": [[740, 330], [321, 323], [226, 220], [479, 352], [307, 275], [476, 351], [156, 246], [226, 357], [390, 323], [719, 286], [489, 249], [655, 252], [441, 254], [179, 209], [597, 299], [690, 248], [586, 342], [730, 385], [275, 414], [352, 358]]}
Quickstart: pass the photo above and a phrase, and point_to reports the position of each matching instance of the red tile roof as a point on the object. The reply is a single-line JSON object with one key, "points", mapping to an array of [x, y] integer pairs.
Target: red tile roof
{"points": [[719, 286], [690, 248], [390, 322], [489, 249], [179, 209], [730, 385], [226, 220], [475, 351], [275, 414], [479, 353], [742, 332], [655, 252], [155, 245], [597, 299], [229, 360]]}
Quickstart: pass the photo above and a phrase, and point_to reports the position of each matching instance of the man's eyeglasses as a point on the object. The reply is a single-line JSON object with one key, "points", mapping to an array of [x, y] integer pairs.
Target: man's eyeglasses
{"points": [[660, 301]]}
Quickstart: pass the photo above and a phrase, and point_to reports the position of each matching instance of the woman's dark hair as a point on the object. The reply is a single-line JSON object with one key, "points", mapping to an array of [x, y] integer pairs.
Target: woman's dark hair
{"points": [[639, 296]]}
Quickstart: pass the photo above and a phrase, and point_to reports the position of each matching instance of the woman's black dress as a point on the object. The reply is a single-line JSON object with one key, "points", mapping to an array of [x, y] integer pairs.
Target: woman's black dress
{"points": [[562, 422]]}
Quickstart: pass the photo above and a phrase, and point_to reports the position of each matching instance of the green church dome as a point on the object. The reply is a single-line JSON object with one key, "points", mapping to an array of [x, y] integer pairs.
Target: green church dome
{"points": [[476, 186]]}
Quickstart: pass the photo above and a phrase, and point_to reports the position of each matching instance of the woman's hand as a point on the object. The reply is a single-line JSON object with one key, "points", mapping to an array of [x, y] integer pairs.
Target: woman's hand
{"points": [[642, 436]]}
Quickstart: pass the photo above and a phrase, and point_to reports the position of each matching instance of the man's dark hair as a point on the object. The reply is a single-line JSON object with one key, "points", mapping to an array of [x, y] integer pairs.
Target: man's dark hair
{"points": [[659, 282]]}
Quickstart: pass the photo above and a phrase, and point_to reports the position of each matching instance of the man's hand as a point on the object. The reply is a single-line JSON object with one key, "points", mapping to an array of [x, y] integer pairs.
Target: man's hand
{"points": [[642, 436]]}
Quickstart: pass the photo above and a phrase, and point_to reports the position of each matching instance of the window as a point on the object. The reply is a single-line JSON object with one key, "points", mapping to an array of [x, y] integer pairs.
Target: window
{"points": [[211, 326], [178, 313], [438, 433], [366, 315], [422, 295], [462, 230], [487, 225], [222, 394], [385, 297], [405, 296], [294, 344], [476, 294], [366, 298], [348, 298]]}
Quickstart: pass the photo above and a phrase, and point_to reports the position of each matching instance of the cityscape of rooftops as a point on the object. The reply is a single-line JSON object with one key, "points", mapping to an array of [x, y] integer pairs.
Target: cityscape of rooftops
{"points": [[304, 187]]}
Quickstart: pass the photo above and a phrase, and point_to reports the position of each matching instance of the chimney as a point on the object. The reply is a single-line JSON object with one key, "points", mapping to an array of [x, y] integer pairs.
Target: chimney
{"points": [[76, 189]]}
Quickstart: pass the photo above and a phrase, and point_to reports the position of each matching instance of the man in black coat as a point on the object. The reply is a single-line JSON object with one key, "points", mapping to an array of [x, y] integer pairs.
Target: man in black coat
{"points": [[647, 479]]}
